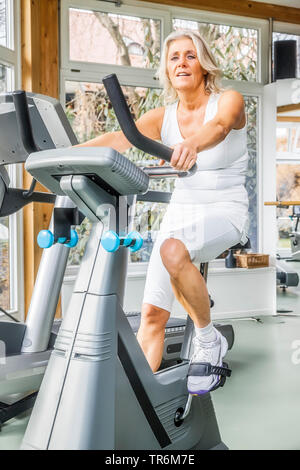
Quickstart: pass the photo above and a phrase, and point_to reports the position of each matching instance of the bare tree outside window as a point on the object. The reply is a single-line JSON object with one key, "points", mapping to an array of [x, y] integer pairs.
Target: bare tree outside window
{"points": [[114, 39], [235, 49]]}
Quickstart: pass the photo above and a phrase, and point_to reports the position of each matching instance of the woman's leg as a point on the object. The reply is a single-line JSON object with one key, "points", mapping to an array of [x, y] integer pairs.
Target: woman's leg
{"points": [[157, 304], [188, 284], [190, 289], [151, 333]]}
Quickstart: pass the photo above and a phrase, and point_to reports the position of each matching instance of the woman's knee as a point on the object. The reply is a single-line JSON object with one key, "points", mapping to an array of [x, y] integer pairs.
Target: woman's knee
{"points": [[154, 317], [174, 256]]}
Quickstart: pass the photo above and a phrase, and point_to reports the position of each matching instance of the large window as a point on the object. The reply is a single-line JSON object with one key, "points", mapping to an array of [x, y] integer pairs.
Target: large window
{"points": [[99, 38], [10, 233]]}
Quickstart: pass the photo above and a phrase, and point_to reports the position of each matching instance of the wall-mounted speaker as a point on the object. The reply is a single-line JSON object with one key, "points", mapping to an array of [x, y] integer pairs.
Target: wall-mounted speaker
{"points": [[285, 59]]}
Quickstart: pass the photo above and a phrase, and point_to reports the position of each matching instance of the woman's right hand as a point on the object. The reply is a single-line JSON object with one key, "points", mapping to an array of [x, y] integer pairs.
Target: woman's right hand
{"points": [[184, 156]]}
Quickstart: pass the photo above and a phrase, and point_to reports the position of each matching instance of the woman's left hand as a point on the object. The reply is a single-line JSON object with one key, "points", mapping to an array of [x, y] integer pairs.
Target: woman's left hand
{"points": [[184, 156]]}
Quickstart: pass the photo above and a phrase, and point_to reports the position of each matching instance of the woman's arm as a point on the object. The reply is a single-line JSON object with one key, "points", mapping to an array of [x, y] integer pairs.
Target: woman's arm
{"points": [[230, 115], [149, 125]]}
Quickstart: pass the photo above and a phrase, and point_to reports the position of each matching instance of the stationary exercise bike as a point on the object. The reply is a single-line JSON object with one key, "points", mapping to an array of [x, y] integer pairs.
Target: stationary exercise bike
{"points": [[286, 276], [98, 391], [29, 123]]}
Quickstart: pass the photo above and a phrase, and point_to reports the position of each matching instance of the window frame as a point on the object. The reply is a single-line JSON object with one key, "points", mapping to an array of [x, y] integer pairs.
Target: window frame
{"points": [[136, 76], [286, 28], [16, 250], [131, 76]]}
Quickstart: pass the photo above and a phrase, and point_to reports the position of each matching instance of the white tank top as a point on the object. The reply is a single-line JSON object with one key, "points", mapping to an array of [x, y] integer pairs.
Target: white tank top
{"points": [[221, 170]]}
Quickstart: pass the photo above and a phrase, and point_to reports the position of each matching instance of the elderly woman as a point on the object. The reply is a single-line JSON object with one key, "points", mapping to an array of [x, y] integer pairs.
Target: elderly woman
{"points": [[208, 212]]}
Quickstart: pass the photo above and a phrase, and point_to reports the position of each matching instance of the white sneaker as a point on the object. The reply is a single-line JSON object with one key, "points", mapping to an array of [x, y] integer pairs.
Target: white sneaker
{"points": [[206, 355]]}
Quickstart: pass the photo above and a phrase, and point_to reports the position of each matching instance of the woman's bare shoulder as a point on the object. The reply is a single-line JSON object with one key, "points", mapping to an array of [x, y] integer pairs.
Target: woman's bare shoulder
{"points": [[230, 96], [232, 107]]}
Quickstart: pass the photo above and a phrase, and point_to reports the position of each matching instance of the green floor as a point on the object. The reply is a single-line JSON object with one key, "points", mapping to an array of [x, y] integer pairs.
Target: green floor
{"points": [[259, 408]]}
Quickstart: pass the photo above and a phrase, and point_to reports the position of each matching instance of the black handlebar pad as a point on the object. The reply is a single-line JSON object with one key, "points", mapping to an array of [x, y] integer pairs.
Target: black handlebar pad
{"points": [[127, 124], [24, 122]]}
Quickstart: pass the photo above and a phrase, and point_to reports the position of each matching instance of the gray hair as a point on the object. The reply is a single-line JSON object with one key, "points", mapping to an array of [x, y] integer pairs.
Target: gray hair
{"points": [[205, 57]]}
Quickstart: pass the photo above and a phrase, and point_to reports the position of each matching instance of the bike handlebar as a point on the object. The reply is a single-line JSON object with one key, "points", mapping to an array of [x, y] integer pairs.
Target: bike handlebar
{"points": [[131, 132], [24, 122]]}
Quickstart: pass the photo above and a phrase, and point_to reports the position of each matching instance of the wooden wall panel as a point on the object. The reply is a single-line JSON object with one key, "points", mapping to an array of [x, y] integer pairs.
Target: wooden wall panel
{"points": [[288, 107], [40, 74], [288, 118]]}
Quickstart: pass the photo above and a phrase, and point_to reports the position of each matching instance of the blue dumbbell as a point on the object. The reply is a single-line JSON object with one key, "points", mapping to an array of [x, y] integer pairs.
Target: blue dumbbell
{"points": [[45, 239], [111, 241]]}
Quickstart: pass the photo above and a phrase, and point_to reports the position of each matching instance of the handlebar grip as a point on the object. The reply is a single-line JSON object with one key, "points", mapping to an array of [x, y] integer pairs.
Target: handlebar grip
{"points": [[127, 124], [24, 121]]}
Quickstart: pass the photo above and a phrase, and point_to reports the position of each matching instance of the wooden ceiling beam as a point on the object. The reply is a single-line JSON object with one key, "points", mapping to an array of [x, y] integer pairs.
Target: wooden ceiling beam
{"points": [[240, 8]]}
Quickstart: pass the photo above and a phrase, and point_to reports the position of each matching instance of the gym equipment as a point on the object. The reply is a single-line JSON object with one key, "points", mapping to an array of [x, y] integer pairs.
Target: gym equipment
{"points": [[23, 130], [287, 277], [295, 235], [98, 391], [27, 345]]}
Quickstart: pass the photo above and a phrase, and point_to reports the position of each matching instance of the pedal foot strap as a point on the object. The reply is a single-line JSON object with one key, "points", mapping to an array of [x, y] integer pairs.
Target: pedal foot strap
{"points": [[202, 369]]}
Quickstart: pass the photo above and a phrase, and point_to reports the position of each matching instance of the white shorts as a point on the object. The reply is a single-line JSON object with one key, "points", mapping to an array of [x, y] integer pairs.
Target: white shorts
{"points": [[206, 234]]}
